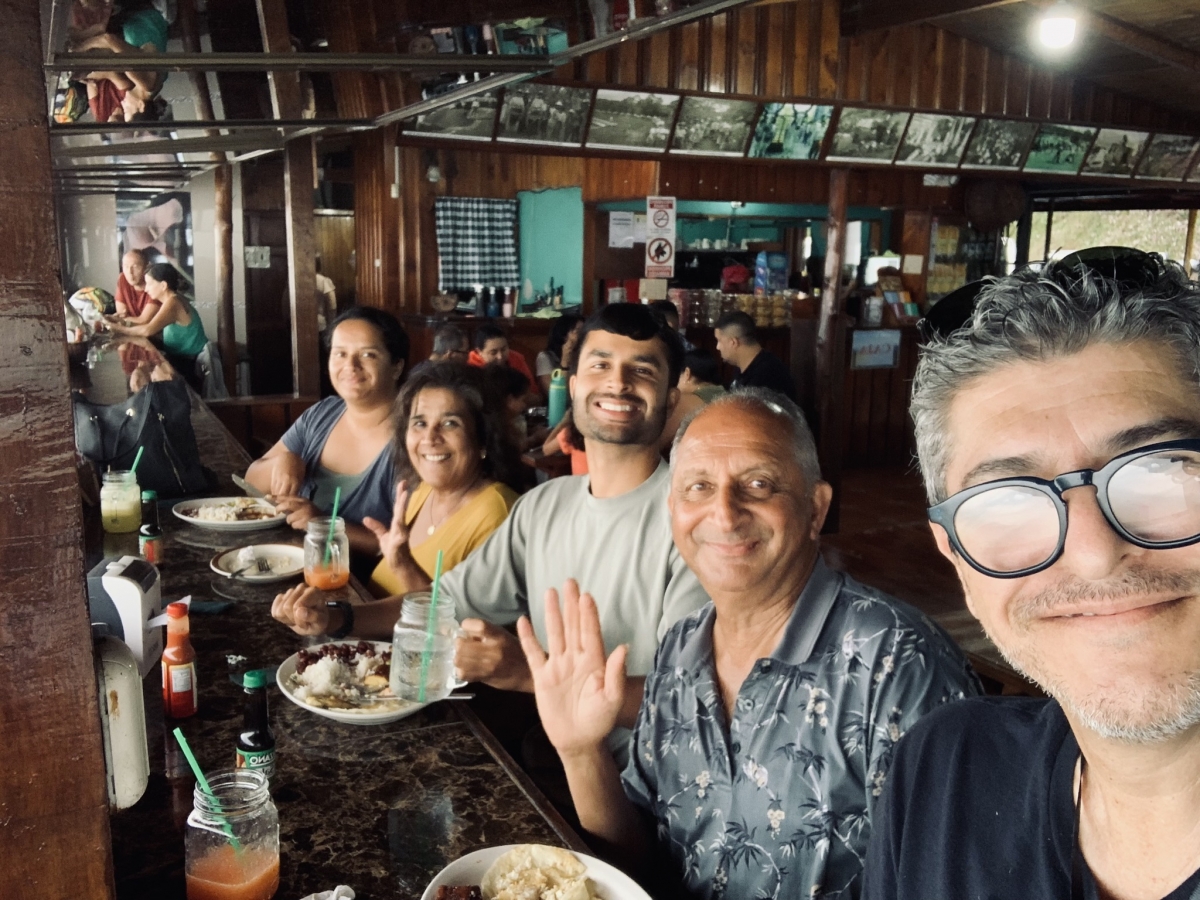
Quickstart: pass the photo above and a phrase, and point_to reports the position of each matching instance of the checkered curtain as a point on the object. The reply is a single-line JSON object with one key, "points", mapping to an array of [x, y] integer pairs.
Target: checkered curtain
{"points": [[476, 243]]}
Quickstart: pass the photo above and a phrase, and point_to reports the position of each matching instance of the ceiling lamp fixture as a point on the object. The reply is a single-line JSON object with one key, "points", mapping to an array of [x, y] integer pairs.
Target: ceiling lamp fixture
{"points": [[1056, 28]]}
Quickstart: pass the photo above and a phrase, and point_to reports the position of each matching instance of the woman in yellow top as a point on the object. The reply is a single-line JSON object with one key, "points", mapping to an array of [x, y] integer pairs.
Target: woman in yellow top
{"points": [[458, 468]]}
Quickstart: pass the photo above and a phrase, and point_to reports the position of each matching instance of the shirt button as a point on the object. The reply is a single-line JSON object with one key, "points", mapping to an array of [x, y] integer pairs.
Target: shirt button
{"points": [[737, 748]]}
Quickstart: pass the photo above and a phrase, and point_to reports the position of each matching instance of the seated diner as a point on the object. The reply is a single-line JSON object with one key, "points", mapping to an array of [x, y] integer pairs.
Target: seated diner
{"points": [[176, 322], [344, 441]]}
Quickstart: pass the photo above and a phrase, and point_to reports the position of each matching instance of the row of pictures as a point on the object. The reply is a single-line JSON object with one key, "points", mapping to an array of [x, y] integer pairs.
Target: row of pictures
{"points": [[604, 119]]}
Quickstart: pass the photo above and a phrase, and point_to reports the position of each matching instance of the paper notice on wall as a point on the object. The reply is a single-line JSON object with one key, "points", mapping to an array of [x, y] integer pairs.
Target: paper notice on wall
{"points": [[913, 264], [620, 229]]}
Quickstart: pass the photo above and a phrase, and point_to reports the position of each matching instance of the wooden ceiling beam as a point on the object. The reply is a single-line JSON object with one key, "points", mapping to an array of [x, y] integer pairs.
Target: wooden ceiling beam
{"points": [[861, 16], [1140, 42]]}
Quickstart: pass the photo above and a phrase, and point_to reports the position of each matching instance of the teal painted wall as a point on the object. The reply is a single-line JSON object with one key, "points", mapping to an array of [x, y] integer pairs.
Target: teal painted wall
{"points": [[551, 236]]}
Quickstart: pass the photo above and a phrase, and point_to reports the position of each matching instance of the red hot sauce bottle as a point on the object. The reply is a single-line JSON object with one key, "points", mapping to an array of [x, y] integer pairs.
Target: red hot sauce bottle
{"points": [[179, 665]]}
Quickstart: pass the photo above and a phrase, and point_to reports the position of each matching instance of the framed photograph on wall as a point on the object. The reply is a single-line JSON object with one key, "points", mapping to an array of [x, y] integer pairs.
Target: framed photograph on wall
{"points": [[1167, 157], [867, 135], [790, 131], [1115, 152], [1059, 148], [710, 126], [998, 144], [544, 114], [470, 119], [875, 348], [935, 140], [631, 120]]}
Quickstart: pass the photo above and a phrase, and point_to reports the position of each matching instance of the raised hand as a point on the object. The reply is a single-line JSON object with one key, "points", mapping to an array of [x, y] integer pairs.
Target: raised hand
{"points": [[579, 693], [287, 475], [393, 541], [302, 609]]}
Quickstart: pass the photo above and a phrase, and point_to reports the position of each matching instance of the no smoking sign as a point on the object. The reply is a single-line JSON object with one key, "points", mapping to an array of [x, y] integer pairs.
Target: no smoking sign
{"points": [[660, 237]]}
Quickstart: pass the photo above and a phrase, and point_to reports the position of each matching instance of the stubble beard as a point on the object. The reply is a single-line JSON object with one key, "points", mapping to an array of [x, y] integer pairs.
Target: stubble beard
{"points": [[641, 434], [1137, 713]]}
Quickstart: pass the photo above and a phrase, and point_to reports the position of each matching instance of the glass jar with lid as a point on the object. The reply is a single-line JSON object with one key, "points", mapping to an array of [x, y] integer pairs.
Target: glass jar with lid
{"points": [[326, 553], [419, 656], [231, 845], [120, 502]]}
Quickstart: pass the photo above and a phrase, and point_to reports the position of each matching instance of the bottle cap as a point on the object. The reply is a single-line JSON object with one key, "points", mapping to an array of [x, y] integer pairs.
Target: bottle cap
{"points": [[255, 678], [149, 495], [177, 610]]}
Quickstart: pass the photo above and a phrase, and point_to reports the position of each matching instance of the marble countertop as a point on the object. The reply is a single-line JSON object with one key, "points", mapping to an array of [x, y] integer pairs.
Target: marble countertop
{"points": [[380, 808]]}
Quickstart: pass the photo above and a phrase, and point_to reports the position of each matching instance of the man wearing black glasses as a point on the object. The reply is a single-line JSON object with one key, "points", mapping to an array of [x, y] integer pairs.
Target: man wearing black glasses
{"points": [[1058, 431]]}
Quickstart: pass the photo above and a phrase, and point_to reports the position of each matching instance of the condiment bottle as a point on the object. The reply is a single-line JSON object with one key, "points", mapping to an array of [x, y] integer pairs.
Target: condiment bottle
{"points": [[256, 743], [179, 665], [119, 502], [150, 534]]}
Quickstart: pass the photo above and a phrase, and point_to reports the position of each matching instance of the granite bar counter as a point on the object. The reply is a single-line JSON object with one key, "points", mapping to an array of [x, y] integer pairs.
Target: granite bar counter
{"points": [[379, 808]]}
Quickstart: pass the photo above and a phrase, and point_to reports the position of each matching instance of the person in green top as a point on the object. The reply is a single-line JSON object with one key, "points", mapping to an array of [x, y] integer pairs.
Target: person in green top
{"points": [[177, 322]]}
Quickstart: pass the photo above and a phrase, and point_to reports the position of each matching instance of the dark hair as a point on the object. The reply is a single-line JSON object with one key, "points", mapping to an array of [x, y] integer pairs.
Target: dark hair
{"points": [[485, 333], [703, 366], [154, 109], [740, 322], [164, 272], [559, 331], [395, 338], [666, 309], [487, 415], [509, 381], [635, 321], [447, 338]]}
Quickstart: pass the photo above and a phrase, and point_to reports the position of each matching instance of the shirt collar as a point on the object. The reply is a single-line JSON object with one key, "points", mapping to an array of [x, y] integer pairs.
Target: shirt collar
{"points": [[800, 635]]}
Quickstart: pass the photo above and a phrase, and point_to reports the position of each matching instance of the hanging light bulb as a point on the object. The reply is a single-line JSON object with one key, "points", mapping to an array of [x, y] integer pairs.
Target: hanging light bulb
{"points": [[1056, 28]]}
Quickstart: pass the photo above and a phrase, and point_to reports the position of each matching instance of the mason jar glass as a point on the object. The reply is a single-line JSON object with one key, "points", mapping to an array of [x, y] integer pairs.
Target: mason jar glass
{"points": [[326, 559], [420, 658], [120, 502], [231, 845]]}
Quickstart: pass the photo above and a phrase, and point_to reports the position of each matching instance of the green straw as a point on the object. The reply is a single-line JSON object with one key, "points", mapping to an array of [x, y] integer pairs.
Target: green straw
{"points": [[431, 628], [187, 751], [337, 498], [137, 459]]}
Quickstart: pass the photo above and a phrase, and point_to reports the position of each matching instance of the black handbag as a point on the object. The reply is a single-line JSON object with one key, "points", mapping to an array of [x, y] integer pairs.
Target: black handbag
{"points": [[157, 419]]}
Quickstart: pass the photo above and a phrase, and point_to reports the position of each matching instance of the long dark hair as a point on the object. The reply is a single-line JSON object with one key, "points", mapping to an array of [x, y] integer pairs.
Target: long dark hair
{"points": [[559, 331], [395, 338], [486, 413]]}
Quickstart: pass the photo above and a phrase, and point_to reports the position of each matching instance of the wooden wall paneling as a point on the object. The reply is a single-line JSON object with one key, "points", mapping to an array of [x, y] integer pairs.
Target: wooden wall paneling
{"points": [[973, 74], [997, 84], [334, 235], [805, 48], [1041, 86], [779, 24], [372, 210], [284, 85], [1019, 74], [1121, 110], [298, 196], [1102, 105], [852, 70], [880, 52], [900, 446], [54, 832], [595, 67], [927, 67], [1081, 103], [881, 394], [687, 74], [626, 64], [717, 27], [1062, 96], [658, 58], [746, 51], [828, 48]]}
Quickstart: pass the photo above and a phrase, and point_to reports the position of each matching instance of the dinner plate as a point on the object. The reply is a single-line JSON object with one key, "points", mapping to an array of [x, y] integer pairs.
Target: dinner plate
{"points": [[181, 510], [227, 561], [346, 716], [609, 883]]}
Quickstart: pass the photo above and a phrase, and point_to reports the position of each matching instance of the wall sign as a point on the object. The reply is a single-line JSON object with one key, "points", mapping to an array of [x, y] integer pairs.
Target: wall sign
{"points": [[660, 237], [875, 348]]}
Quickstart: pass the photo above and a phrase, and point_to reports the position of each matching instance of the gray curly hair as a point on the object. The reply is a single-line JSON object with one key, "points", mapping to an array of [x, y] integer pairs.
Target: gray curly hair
{"points": [[804, 448], [1028, 317]]}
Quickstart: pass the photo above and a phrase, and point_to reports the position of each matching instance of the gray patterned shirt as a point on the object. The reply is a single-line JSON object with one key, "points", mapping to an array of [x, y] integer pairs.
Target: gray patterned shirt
{"points": [[778, 803]]}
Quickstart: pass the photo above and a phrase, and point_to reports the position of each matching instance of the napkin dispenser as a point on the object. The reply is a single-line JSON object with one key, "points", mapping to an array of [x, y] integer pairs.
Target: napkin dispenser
{"points": [[124, 593], [122, 720]]}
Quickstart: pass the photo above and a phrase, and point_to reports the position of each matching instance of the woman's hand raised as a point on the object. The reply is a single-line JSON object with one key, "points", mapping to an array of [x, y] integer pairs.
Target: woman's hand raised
{"points": [[393, 541]]}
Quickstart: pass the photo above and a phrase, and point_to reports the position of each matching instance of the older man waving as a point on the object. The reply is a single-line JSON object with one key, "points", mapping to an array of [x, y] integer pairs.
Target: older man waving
{"points": [[770, 718]]}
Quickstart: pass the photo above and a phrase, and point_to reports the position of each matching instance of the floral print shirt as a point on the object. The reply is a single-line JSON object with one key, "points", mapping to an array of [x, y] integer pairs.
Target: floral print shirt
{"points": [[776, 802]]}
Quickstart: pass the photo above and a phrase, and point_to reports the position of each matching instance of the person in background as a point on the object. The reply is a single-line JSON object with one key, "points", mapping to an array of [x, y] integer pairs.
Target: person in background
{"points": [[344, 441], [514, 388], [701, 376], [771, 715], [459, 472], [1058, 432], [737, 342], [326, 297], [450, 344], [563, 335], [122, 95], [133, 303], [491, 348], [670, 312], [175, 321]]}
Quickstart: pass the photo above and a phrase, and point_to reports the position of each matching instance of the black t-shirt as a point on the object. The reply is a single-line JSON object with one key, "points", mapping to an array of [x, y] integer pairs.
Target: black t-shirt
{"points": [[979, 805], [766, 371]]}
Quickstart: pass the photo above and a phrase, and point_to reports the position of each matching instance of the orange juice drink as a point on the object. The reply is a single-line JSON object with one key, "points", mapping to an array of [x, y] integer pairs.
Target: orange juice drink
{"points": [[228, 874]]}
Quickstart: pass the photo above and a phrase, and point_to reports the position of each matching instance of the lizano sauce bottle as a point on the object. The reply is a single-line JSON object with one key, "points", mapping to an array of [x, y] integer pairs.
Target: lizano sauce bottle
{"points": [[179, 665]]}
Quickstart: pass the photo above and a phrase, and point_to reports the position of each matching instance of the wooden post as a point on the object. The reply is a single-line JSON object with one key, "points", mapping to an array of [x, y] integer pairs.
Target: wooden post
{"points": [[54, 835], [831, 334], [285, 86], [1049, 229], [223, 231], [1189, 242], [1024, 234], [302, 270]]}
